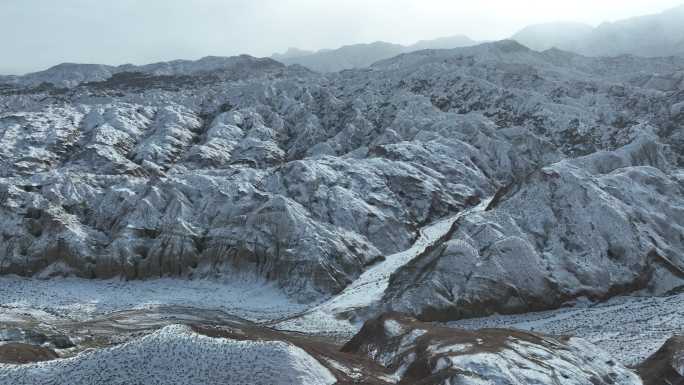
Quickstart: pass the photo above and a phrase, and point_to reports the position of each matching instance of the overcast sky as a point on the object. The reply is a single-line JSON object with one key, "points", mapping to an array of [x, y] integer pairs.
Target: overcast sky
{"points": [[36, 34]]}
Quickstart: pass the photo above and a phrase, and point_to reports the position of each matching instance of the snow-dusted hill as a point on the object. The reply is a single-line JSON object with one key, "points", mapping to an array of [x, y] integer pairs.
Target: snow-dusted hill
{"points": [[422, 353], [176, 355], [242, 166], [589, 227], [666, 365]]}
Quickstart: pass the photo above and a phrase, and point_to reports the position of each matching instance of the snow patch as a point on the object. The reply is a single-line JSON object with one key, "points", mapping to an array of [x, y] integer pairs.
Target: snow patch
{"points": [[393, 328], [82, 299]]}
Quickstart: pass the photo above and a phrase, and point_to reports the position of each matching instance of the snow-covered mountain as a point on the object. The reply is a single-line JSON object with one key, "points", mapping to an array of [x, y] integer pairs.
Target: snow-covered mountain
{"points": [[445, 184], [653, 35], [234, 165], [424, 353], [363, 55], [69, 75]]}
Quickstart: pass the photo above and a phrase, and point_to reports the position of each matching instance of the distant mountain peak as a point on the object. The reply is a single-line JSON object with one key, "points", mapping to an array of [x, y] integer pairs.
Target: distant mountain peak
{"points": [[364, 54], [653, 35], [446, 42], [72, 74], [509, 45], [544, 36], [291, 52]]}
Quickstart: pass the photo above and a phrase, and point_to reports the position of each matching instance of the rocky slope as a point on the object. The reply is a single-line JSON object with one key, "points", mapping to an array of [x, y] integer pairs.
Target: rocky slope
{"points": [[420, 353], [666, 366], [241, 166]]}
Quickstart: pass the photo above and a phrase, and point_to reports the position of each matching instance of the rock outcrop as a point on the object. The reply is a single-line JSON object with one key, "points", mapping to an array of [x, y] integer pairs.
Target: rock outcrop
{"points": [[421, 353], [666, 366]]}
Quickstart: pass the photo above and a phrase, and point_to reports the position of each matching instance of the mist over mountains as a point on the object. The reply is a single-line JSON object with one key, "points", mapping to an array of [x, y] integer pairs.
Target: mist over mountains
{"points": [[653, 35]]}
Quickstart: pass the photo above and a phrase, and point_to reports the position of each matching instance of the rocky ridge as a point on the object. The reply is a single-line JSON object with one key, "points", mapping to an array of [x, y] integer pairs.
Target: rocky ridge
{"points": [[363, 55], [227, 167], [666, 366]]}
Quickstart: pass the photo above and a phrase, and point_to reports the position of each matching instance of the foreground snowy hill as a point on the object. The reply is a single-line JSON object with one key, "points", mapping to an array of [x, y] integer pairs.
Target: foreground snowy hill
{"points": [[175, 355], [666, 365], [390, 349]]}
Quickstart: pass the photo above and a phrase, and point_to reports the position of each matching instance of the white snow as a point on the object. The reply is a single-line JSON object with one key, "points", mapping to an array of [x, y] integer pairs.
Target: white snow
{"points": [[629, 328], [82, 299], [176, 355], [371, 285], [394, 328], [354, 373], [449, 348]]}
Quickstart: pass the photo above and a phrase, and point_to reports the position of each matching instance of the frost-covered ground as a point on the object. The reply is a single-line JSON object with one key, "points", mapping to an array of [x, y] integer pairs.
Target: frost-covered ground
{"points": [[82, 299], [629, 328], [176, 355]]}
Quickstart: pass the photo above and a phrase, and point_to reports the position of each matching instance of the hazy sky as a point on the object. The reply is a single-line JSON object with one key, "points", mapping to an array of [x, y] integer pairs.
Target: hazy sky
{"points": [[36, 34]]}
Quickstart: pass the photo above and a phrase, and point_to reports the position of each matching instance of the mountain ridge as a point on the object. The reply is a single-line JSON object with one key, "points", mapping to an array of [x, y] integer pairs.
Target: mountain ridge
{"points": [[660, 34], [363, 55]]}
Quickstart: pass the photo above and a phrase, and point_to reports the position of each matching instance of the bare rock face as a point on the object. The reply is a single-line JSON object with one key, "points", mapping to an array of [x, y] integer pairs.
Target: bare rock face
{"points": [[19, 353], [243, 166], [666, 366], [421, 353]]}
